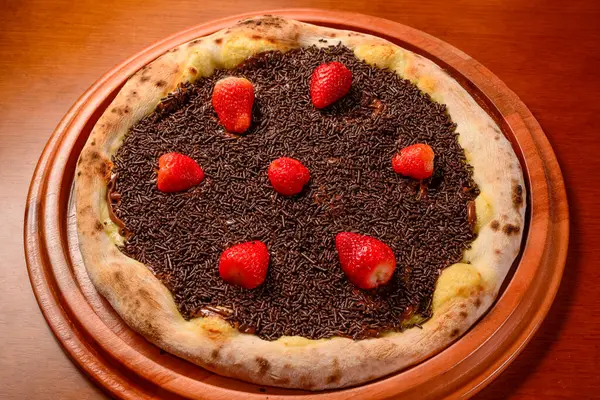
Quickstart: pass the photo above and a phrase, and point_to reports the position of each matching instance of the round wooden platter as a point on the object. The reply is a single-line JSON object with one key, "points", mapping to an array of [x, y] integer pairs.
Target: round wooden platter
{"points": [[127, 366]]}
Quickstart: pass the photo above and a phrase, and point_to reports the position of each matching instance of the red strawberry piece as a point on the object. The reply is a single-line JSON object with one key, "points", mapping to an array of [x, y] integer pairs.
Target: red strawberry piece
{"points": [[177, 172], [288, 176], [329, 83], [232, 99], [415, 161], [366, 261], [245, 264]]}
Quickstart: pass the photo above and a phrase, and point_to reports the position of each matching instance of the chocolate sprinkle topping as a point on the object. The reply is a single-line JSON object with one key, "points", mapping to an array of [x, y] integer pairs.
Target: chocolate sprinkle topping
{"points": [[348, 149]]}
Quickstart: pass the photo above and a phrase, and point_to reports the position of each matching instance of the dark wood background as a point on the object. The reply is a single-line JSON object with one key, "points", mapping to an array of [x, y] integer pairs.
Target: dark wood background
{"points": [[548, 52]]}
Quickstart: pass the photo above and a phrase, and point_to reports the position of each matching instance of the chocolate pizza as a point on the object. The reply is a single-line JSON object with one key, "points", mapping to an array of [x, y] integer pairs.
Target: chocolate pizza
{"points": [[298, 206]]}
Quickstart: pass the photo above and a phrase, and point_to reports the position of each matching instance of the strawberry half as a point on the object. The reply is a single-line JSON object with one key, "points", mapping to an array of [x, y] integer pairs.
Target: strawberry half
{"points": [[177, 172], [232, 100], [366, 261], [329, 83], [288, 176], [245, 264], [415, 161]]}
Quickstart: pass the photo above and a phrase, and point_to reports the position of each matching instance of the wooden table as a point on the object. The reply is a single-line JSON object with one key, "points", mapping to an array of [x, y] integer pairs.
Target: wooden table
{"points": [[549, 54]]}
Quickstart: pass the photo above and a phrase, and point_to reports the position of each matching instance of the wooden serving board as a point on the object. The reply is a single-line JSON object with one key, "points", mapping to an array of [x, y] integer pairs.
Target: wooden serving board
{"points": [[127, 366]]}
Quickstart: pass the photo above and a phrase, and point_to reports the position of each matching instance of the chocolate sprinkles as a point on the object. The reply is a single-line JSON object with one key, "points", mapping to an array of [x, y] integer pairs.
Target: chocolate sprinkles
{"points": [[348, 149]]}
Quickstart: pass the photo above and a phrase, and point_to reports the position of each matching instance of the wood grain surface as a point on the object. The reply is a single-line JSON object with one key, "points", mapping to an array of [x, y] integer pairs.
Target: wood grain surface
{"points": [[548, 53]]}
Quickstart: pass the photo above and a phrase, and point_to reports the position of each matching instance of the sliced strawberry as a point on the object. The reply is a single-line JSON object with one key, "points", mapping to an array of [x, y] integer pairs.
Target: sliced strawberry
{"points": [[232, 100], [415, 161], [329, 83], [245, 264], [366, 261], [177, 172], [288, 176]]}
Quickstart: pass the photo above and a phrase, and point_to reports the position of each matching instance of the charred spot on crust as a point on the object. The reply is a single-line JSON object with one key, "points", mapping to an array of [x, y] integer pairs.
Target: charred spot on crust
{"points": [[477, 302], [495, 225], [337, 375], [118, 277], [117, 110], [98, 226], [175, 50], [215, 354], [454, 333], [218, 41], [104, 170], [267, 20], [146, 296], [493, 127], [151, 330], [510, 229], [306, 382], [144, 79], [93, 143], [161, 83], [95, 156], [195, 41], [517, 195], [255, 37], [85, 210], [463, 314], [263, 365], [135, 306], [78, 173]]}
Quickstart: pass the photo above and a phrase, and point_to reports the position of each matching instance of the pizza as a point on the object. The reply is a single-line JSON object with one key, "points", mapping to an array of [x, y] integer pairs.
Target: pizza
{"points": [[298, 206]]}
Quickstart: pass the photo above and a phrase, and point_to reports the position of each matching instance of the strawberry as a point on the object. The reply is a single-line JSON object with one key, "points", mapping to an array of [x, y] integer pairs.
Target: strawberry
{"points": [[415, 161], [177, 172], [232, 99], [245, 264], [366, 261], [329, 83], [288, 176]]}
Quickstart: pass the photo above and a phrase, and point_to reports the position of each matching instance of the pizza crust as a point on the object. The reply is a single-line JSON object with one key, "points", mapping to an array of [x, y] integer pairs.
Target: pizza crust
{"points": [[463, 293]]}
